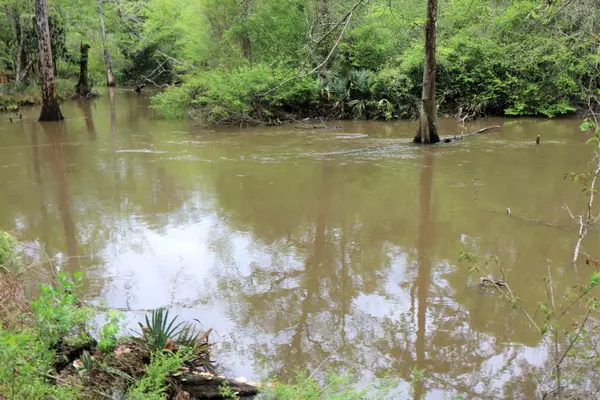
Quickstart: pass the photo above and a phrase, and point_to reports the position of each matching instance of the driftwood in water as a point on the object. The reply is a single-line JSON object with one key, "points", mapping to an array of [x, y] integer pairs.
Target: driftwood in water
{"points": [[460, 137], [138, 88], [207, 386]]}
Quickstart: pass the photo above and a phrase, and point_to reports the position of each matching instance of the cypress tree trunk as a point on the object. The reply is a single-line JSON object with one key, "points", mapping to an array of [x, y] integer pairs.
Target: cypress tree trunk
{"points": [[110, 78], [50, 108], [427, 131], [83, 86]]}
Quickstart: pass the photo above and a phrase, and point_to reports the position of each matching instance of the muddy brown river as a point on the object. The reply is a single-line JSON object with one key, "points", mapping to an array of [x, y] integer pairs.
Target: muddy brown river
{"points": [[305, 246]]}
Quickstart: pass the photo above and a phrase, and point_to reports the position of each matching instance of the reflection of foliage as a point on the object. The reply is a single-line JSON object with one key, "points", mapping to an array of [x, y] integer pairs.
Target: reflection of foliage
{"points": [[571, 368]]}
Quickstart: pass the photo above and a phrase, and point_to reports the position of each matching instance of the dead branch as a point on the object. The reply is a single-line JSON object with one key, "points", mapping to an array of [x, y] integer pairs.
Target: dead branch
{"points": [[583, 226], [348, 14], [315, 69]]}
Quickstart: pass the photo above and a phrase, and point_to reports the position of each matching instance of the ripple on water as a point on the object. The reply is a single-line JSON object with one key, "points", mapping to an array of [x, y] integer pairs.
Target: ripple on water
{"points": [[141, 151]]}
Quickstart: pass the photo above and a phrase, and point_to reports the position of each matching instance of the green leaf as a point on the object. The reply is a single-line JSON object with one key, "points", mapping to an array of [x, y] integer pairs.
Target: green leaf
{"points": [[595, 281], [585, 126]]}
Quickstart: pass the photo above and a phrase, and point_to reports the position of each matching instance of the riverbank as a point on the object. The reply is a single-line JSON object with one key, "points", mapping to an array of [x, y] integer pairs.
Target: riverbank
{"points": [[14, 96], [51, 348]]}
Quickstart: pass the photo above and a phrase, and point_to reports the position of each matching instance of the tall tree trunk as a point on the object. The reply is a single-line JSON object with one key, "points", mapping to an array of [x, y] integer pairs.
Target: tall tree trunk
{"points": [[245, 34], [50, 108], [83, 86], [110, 78], [20, 50], [427, 131]]}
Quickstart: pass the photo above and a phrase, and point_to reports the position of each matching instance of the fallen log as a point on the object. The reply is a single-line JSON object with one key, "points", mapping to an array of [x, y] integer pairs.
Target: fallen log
{"points": [[200, 386], [460, 137]]}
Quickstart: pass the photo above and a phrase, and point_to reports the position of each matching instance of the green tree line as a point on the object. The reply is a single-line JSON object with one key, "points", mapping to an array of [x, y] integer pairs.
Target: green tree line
{"points": [[249, 61]]}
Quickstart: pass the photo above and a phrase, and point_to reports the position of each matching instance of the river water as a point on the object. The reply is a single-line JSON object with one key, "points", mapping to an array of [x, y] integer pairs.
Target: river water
{"points": [[305, 246]]}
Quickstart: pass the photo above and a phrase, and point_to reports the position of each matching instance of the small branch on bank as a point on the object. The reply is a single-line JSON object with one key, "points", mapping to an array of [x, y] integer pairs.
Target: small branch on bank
{"points": [[584, 225]]}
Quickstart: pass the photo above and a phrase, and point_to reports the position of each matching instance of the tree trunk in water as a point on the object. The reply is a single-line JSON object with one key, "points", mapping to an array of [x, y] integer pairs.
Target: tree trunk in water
{"points": [[50, 108], [427, 131], [83, 86], [245, 35], [110, 79]]}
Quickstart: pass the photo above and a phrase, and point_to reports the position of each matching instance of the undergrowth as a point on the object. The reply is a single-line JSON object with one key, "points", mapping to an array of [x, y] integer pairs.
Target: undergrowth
{"points": [[15, 95]]}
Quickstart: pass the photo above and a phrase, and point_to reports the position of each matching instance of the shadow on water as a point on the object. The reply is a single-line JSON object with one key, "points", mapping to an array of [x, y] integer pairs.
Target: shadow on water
{"points": [[304, 247]]}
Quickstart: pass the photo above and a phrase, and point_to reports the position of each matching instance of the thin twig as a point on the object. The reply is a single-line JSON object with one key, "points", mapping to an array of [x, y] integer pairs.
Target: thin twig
{"points": [[349, 13], [315, 69], [583, 227]]}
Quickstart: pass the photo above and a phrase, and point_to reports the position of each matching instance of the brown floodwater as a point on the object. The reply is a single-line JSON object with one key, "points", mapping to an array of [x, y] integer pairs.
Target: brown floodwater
{"points": [[304, 246]]}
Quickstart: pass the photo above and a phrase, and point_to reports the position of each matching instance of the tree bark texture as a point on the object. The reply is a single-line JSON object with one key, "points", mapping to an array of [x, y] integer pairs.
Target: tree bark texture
{"points": [[427, 131], [50, 108], [83, 86], [110, 78], [245, 34]]}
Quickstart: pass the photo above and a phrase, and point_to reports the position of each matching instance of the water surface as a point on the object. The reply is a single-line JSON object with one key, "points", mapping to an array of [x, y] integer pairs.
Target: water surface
{"points": [[300, 245]]}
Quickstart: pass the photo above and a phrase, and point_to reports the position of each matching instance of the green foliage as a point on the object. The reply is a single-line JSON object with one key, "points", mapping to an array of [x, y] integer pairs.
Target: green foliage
{"points": [[222, 96], [14, 96], [155, 383], [9, 253], [335, 386], [24, 362], [58, 313], [159, 328], [226, 392], [108, 337]]}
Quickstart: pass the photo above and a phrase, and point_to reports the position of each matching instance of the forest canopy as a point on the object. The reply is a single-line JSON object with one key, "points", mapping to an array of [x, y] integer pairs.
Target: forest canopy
{"points": [[246, 61]]}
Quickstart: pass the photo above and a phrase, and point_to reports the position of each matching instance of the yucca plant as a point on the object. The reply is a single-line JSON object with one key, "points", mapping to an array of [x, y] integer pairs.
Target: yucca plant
{"points": [[159, 329]]}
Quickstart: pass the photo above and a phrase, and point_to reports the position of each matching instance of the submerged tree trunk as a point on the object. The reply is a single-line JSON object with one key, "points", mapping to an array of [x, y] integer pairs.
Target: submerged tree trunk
{"points": [[83, 86], [50, 108], [427, 131], [110, 79]]}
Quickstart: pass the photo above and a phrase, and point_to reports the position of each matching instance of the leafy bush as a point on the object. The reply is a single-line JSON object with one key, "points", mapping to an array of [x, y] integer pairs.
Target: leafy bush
{"points": [[230, 96], [108, 337], [155, 383], [24, 362], [58, 312], [9, 254]]}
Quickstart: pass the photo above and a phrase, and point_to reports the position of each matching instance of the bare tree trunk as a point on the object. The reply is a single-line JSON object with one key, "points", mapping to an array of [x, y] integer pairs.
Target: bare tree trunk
{"points": [[427, 131], [21, 39], [245, 34], [110, 78], [83, 86], [50, 108]]}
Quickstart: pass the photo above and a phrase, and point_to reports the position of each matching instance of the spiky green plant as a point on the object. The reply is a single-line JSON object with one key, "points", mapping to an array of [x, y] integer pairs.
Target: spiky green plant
{"points": [[159, 328]]}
